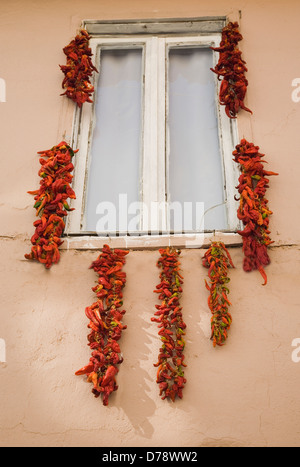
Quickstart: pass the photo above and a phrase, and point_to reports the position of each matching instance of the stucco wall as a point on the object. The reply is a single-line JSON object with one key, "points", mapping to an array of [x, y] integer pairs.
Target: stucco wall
{"points": [[244, 394]]}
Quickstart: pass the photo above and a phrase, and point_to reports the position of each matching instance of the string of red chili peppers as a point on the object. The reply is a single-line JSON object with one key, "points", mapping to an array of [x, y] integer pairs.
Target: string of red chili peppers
{"points": [[51, 203], [253, 209], [170, 374], [78, 70], [105, 317], [217, 259], [232, 69]]}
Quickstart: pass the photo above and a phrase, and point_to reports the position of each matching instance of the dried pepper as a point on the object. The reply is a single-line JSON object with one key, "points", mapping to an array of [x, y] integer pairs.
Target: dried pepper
{"points": [[170, 373], [253, 210], [231, 67], [51, 203], [218, 260], [106, 326], [78, 70]]}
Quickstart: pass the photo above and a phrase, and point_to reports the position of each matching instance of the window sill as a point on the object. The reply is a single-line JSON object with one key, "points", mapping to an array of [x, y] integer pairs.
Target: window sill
{"points": [[87, 242]]}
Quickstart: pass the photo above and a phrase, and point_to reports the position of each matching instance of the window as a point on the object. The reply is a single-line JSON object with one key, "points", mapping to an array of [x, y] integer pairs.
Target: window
{"points": [[155, 148]]}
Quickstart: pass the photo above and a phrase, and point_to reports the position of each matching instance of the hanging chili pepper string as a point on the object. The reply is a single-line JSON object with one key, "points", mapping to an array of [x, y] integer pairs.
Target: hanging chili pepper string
{"points": [[170, 374], [253, 210], [51, 203], [218, 260], [78, 70], [231, 67], [106, 326]]}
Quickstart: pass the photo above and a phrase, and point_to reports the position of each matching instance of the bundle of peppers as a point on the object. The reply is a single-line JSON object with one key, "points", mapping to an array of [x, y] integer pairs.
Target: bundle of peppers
{"points": [[253, 209], [105, 322], [170, 374], [218, 260], [78, 70], [51, 203], [231, 67]]}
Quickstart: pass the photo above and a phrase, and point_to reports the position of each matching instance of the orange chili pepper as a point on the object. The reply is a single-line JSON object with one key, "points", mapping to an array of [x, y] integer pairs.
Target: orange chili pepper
{"points": [[105, 322], [49, 203], [169, 316], [253, 183]]}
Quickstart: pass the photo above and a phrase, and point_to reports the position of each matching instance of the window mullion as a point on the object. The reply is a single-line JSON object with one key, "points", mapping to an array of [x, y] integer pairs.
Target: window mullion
{"points": [[231, 174], [161, 129], [154, 137]]}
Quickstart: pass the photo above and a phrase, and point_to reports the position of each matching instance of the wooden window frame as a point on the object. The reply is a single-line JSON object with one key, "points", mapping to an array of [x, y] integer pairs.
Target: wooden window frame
{"points": [[155, 38]]}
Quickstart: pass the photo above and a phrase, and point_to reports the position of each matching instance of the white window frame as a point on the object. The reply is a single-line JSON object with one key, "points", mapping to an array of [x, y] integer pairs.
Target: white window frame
{"points": [[155, 141]]}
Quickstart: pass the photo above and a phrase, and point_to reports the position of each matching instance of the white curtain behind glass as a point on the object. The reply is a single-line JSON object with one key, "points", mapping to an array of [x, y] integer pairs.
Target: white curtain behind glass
{"points": [[195, 169], [116, 145]]}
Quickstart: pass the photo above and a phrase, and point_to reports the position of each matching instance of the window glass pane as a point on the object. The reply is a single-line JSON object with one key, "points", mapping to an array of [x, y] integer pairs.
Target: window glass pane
{"points": [[195, 166], [116, 146]]}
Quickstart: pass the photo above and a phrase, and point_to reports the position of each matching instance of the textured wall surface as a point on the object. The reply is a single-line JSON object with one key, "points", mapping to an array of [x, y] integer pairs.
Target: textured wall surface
{"points": [[243, 394]]}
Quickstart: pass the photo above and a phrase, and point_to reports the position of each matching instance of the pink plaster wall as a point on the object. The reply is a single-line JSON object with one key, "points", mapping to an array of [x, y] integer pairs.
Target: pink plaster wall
{"points": [[244, 394]]}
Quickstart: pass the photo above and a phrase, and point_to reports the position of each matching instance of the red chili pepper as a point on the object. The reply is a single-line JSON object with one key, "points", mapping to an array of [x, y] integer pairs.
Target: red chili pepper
{"points": [[78, 70], [169, 316], [109, 375], [253, 210], [217, 260], [105, 322], [232, 69], [85, 370], [50, 202]]}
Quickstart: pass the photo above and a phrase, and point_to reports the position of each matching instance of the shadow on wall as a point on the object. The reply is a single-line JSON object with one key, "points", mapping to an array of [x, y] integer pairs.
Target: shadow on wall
{"points": [[134, 376], [137, 382]]}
